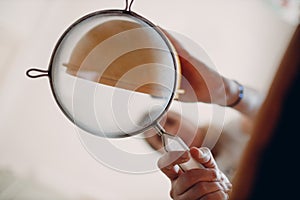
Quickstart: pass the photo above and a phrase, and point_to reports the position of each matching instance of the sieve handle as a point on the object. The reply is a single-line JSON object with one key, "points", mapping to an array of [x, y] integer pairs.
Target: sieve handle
{"points": [[128, 5], [36, 73], [175, 143], [191, 164]]}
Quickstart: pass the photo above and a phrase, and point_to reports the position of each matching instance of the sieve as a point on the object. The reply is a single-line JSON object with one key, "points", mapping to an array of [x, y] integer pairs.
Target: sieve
{"points": [[114, 74]]}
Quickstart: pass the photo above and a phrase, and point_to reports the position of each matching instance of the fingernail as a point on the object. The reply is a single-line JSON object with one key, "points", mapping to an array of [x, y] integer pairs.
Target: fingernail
{"points": [[202, 153], [176, 168]]}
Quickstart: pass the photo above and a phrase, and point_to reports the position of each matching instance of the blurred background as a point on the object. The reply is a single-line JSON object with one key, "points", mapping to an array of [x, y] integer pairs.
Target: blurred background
{"points": [[41, 155]]}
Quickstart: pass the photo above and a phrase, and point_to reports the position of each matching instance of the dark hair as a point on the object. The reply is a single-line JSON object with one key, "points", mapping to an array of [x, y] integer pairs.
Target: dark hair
{"points": [[269, 167]]}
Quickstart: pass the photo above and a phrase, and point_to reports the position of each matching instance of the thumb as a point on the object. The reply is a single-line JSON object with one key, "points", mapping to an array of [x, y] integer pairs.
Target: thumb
{"points": [[203, 156]]}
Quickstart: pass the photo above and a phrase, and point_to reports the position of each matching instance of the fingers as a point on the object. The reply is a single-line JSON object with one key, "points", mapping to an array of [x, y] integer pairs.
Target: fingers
{"points": [[218, 195], [194, 176], [226, 183], [200, 191], [167, 162], [204, 184], [203, 156]]}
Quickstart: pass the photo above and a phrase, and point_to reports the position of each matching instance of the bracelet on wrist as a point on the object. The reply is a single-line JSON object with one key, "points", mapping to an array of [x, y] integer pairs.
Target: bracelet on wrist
{"points": [[240, 96]]}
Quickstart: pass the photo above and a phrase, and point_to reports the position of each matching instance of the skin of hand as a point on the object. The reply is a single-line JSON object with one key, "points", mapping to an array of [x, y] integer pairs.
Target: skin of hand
{"points": [[202, 184], [202, 83]]}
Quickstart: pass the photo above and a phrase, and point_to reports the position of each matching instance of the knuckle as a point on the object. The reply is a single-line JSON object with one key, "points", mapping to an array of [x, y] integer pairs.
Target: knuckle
{"points": [[172, 193], [209, 197], [206, 188], [202, 187], [220, 195], [215, 175], [188, 177], [191, 177]]}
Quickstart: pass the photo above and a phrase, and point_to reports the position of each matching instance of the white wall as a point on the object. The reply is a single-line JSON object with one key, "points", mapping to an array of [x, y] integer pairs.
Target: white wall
{"points": [[245, 39]]}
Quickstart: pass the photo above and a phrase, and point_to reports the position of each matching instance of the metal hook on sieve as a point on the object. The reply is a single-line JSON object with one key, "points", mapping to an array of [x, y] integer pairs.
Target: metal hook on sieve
{"points": [[36, 73], [128, 5]]}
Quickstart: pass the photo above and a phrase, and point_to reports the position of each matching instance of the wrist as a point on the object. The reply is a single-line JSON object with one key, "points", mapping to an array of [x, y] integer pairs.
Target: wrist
{"points": [[239, 97], [234, 92]]}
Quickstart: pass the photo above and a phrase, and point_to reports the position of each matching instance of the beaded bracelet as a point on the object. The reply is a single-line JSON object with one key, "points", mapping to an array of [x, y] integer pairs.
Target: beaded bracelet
{"points": [[240, 97]]}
